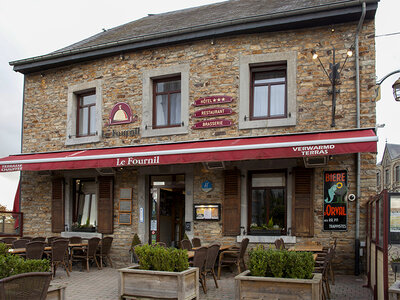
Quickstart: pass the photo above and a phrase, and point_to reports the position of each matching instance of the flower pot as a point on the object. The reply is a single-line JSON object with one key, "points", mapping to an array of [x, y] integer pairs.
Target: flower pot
{"points": [[395, 266], [134, 282], [273, 232], [253, 287], [84, 229]]}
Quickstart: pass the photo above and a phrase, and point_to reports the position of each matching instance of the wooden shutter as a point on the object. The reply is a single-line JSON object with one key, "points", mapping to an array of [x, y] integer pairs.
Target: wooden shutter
{"points": [[231, 205], [303, 203], [57, 205], [105, 212]]}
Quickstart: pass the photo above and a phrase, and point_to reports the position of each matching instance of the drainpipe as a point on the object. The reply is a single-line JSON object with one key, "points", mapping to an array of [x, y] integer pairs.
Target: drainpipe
{"points": [[357, 236]]}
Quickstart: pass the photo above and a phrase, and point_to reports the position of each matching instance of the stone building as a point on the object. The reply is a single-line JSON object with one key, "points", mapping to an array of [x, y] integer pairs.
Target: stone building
{"points": [[388, 170], [213, 121]]}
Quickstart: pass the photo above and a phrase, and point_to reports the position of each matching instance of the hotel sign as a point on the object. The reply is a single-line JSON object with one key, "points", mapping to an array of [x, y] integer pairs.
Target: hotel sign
{"points": [[211, 112], [335, 202], [212, 124], [212, 100]]}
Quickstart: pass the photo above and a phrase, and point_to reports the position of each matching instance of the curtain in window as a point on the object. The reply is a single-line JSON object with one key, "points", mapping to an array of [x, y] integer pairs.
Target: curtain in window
{"points": [[162, 110]]}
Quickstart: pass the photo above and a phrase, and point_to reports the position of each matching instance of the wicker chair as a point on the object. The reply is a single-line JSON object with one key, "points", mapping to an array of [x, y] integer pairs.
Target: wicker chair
{"points": [[323, 267], [27, 238], [196, 242], [212, 254], [39, 238], [280, 244], [21, 243], [8, 240], [199, 261], [59, 255], [104, 250], [35, 250], [75, 240], [32, 286], [233, 257], [186, 244], [86, 253]]}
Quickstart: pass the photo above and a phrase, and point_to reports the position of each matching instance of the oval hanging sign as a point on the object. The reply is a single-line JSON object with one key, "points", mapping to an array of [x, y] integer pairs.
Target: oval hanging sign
{"points": [[211, 112], [213, 100], [212, 123]]}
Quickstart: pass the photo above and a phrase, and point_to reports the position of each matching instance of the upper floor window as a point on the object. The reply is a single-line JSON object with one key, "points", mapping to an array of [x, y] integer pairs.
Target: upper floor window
{"points": [[397, 173], [378, 179], [387, 177], [268, 92], [86, 121], [167, 102]]}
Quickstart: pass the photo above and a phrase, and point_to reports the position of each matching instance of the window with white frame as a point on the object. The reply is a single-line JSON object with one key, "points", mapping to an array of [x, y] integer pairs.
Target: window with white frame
{"points": [[268, 90], [165, 105], [84, 120]]}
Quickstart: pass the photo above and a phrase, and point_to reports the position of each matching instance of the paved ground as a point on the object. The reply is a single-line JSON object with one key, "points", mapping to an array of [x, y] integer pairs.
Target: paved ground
{"points": [[103, 285]]}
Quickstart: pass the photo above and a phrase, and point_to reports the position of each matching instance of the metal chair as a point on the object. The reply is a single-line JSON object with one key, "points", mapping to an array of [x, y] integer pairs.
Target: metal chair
{"points": [[86, 253], [196, 242], [24, 286], [59, 255], [104, 250], [186, 244], [35, 250], [199, 261], [21, 243], [212, 254], [233, 257]]}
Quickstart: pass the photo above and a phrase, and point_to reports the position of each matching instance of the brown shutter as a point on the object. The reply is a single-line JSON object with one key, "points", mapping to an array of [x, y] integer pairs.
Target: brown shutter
{"points": [[231, 205], [105, 214], [57, 205], [303, 203]]}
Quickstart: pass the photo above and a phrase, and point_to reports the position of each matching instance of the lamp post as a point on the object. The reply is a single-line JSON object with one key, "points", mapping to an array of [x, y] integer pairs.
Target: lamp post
{"points": [[395, 86], [333, 76]]}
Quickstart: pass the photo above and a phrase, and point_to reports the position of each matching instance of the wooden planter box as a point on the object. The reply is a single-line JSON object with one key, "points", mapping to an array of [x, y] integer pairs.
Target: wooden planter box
{"points": [[134, 282], [56, 292], [271, 288]]}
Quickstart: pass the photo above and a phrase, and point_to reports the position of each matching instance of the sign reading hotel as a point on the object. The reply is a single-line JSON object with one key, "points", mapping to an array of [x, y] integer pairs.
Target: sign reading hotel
{"points": [[212, 112], [212, 124], [335, 202], [120, 114], [213, 100]]}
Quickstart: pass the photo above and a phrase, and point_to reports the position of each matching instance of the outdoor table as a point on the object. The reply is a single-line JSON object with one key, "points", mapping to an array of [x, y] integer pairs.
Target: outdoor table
{"points": [[23, 250], [307, 248], [221, 248]]}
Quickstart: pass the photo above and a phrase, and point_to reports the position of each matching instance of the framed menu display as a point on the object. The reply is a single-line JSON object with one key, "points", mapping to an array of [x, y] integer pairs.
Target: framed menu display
{"points": [[210, 212], [125, 205], [125, 218], [125, 193]]}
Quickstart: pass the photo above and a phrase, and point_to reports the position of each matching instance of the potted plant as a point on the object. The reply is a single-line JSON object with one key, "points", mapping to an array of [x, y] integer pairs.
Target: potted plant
{"points": [[161, 273], [395, 262], [280, 273], [265, 229], [135, 241], [87, 227]]}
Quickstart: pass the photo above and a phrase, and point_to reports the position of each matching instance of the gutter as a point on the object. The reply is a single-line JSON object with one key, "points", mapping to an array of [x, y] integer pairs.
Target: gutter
{"points": [[196, 32]]}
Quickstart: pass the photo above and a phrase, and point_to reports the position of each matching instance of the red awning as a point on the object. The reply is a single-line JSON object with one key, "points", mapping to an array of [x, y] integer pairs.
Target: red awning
{"points": [[266, 147]]}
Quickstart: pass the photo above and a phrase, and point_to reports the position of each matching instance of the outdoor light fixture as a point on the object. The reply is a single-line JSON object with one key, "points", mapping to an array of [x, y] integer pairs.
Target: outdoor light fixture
{"points": [[396, 90], [395, 86], [333, 76]]}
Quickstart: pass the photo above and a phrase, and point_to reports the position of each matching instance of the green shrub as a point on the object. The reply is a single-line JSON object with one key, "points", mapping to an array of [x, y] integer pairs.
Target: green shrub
{"points": [[280, 263], [12, 265], [162, 259], [135, 241], [3, 249]]}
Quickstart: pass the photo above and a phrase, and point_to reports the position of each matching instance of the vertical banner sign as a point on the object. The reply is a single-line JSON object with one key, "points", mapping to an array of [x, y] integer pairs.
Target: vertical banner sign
{"points": [[335, 200]]}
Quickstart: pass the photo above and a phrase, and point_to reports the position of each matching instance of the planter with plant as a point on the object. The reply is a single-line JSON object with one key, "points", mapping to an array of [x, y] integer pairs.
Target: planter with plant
{"points": [[163, 273], [395, 262], [135, 241], [266, 229], [279, 274]]}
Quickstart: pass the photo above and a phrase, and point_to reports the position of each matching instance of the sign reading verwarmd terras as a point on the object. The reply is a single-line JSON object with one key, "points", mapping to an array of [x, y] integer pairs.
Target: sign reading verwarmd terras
{"points": [[335, 202]]}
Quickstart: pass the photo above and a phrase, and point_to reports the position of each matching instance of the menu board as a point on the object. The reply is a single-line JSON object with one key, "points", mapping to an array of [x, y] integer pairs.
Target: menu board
{"points": [[395, 214], [207, 212], [335, 200]]}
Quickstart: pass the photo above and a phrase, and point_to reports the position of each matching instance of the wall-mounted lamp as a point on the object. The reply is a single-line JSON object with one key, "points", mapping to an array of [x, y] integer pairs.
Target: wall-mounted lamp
{"points": [[333, 76], [395, 86]]}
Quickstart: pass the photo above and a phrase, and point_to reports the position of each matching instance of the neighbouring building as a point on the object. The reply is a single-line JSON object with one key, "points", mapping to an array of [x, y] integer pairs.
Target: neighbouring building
{"points": [[213, 121], [388, 170]]}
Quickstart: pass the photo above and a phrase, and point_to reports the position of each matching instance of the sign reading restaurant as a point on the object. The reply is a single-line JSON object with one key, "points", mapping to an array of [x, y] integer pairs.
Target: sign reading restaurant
{"points": [[211, 112]]}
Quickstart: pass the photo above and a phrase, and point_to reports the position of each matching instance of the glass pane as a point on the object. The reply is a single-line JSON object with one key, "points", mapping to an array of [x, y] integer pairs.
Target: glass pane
{"points": [[175, 109], [277, 100], [373, 231], [258, 210], [380, 213], [394, 214], [168, 86], [83, 121], [162, 110], [90, 99], [260, 101], [93, 211], [268, 180], [269, 77], [277, 207], [92, 119]]}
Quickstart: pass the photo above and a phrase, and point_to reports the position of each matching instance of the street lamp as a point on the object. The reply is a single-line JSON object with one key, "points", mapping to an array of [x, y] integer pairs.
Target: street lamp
{"points": [[395, 86], [333, 76]]}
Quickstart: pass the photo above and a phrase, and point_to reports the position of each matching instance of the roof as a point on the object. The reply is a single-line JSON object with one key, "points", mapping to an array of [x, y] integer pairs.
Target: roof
{"points": [[220, 19], [393, 150]]}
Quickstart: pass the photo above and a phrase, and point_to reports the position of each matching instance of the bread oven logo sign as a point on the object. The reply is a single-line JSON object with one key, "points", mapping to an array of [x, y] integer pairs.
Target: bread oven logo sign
{"points": [[335, 203], [120, 114]]}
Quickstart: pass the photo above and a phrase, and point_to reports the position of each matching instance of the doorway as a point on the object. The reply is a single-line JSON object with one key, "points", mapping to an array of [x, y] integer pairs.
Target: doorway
{"points": [[167, 209]]}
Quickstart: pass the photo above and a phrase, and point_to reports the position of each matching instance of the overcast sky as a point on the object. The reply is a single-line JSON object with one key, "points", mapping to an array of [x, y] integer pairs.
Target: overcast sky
{"points": [[30, 28]]}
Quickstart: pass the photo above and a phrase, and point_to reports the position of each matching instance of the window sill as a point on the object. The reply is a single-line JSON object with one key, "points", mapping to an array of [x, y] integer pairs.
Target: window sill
{"points": [[82, 140], [84, 235], [267, 239]]}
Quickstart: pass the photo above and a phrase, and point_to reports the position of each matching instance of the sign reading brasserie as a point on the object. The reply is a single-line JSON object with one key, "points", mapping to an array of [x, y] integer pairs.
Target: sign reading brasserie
{"points": [[335, 202], [212, 123]]}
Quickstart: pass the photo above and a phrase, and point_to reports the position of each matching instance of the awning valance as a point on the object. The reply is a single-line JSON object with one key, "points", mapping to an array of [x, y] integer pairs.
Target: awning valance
{"points": [[265, 147]]}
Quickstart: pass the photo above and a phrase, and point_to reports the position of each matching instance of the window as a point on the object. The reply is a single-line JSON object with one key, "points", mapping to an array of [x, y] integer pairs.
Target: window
{"points": [[86, 121], [84, 205], [387, 179], [165, 109], [167, 102], [378, 179], [397, 173], [267, 204], [268, 92]]}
